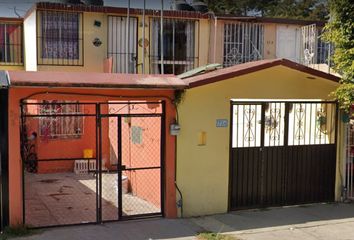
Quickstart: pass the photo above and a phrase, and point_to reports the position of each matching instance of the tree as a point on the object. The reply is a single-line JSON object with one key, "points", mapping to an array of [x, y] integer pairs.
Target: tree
{"points": [[340, 31], [298, 9]]}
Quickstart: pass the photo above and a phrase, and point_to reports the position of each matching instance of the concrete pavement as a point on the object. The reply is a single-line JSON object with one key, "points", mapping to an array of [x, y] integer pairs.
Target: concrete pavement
{"points": [[319, 221]]}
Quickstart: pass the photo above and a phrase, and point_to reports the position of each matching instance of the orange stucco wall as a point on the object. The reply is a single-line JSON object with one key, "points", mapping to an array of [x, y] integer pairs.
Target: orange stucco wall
{"points": [[135, 154], [15, 165], [52, 148]]}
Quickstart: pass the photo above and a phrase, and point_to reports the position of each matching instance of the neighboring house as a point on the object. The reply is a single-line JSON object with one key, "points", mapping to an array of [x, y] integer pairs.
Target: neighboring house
{"points": [[82, 38], [87, 147], [62, 37], [269, 136], [236, 40]]}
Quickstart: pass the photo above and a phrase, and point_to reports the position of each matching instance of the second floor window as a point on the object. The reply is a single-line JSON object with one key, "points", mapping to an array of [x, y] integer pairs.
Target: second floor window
{"points": [[243, 42], [179, 46], [60, 38], [11, 44]]}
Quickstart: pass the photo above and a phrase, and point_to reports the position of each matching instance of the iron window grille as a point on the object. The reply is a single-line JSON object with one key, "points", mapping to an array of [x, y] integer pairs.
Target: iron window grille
{"points": [[314, 50], [243, 42], [124, 57], [60, 38], [59, 121], [11, 44], [179, 49]]}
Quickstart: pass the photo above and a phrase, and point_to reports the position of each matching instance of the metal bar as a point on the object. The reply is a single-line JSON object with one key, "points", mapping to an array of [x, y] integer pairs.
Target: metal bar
{"points": [[99, 214], [4, 166], [161, 40], [142, 216], [23, 167], [120, 155], [98, 130], [143, 47], [237, 102], [142, 168], [230, 156], [64, 159], [163, 158], [173, 44], [128, 38], [262, 153], [132, 115]]}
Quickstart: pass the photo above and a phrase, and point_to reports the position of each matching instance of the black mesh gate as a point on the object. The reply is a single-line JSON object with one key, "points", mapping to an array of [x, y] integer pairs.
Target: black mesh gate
{"points": [[91, 162], [282, 153]]}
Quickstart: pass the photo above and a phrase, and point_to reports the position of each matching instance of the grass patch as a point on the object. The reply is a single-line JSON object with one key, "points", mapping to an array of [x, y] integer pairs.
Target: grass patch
{"points": [[215, 236], [17, 231]]}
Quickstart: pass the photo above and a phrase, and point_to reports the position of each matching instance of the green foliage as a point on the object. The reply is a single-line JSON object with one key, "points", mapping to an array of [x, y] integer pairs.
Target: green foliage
{"points": [[179, 97], [340, 31], [298, 9]]}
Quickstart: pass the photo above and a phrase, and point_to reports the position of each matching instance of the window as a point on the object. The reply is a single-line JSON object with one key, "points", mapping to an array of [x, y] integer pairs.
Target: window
{"points": [[314, 50], [243, 42], [179, 46], [60, 39], [124, 61], [52, 125], [10, 44]]}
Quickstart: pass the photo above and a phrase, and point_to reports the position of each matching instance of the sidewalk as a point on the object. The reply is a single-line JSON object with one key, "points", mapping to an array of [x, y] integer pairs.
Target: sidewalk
{"points": [[320, 221]]}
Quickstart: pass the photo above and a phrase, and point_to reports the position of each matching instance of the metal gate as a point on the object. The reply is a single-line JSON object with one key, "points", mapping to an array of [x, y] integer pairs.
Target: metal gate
{"points": [[349, 166], [91, 162], [282, 153]]}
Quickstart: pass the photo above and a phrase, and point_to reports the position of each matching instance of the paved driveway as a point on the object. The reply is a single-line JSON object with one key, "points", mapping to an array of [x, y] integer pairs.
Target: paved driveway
{"points": [[320, 221]]}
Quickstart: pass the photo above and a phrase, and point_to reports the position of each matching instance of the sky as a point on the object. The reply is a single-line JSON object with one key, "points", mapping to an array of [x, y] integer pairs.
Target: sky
{"points": [[7, 6]]}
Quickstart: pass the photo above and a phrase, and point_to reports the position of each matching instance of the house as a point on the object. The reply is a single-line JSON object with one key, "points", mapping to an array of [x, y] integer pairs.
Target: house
{"points": [[91, 122], [64, 37], [88, 147], [259, 134]]}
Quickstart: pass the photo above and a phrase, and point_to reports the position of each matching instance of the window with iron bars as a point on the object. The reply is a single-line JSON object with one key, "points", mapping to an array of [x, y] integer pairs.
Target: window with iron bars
{"points": [[179, 47], [313, 49], [243, 42], [52, 125], [59, 38], [11, 44], [121, 47]]}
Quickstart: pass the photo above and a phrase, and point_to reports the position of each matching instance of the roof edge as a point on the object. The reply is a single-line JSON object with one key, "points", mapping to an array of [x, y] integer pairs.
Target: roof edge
{"points": [[252, 69], [96, 86]]}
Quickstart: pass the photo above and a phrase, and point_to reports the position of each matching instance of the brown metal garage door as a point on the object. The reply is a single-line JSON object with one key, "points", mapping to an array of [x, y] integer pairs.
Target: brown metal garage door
{"points": [[282, 153]]}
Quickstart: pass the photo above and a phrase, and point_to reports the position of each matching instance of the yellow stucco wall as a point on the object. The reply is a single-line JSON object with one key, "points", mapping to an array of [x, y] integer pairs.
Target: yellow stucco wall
{"points": [[202, 171], [10, 68], [270, 36]]}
